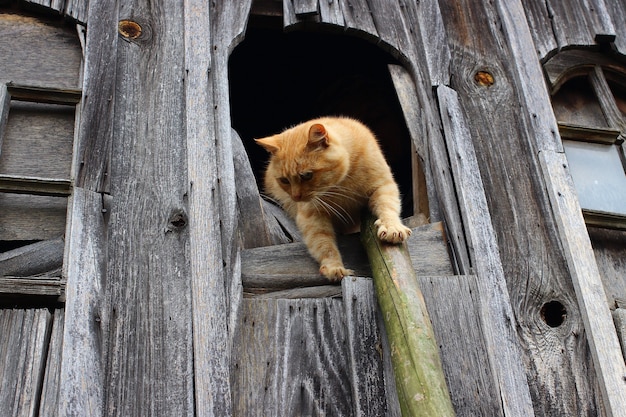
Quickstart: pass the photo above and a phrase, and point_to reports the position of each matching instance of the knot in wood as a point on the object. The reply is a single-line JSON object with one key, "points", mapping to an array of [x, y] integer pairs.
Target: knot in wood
{"points": [[177, 221], [129, 29], [484, 78]]}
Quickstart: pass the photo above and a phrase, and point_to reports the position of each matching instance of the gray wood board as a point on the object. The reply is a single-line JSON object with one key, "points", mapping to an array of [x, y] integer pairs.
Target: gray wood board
{"points": [[34, 259], [52, 379], [454, 307], [610, 253], [290, 265], [23, 346], [55, 62], [291, 358], [365, 348], [496, 312], [506, 150], [31, 217], [81, 390], [147, 297]]}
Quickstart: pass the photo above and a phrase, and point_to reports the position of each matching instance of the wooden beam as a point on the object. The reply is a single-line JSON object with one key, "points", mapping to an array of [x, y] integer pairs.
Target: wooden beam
{"points": [[420, 381], [32, 286], [35, 186], [44, 94]]}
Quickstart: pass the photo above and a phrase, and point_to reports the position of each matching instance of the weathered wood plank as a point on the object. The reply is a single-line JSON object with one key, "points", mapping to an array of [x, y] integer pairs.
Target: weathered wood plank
{"points": [[330, 12], [304, 8], [255, 227], [318, 291], [290, 265], [38, 140], [619, 318], [95, 129], [420, 382], [52, 380], [357, 17], [55, 62], [530, 88], [496, 311], [25, 335], [148, 296], [290, 358], [35, 186], [28, 217], [33, 259], [5, 103], [592, 301], [454, 307], [426, 30], [32, 286], [364, 347], [206, 31], [610, 255], [81, 385]]}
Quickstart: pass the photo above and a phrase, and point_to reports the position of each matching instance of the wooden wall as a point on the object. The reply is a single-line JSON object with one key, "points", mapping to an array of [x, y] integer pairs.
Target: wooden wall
{"points": [[153, 254]]}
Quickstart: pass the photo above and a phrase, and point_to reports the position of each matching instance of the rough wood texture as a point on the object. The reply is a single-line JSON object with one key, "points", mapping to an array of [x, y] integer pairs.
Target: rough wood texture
{"points": [[291, 358], [556, 24], [496, 312], [54, 62], [619, 317], [290, 265], [506, 141], [610, 253], [45, 218], [35, 259], [364, 347], [25, 335], [147, 298], [52, 380], [459, 331], [81, 390], [420, 382], [592, 302]]}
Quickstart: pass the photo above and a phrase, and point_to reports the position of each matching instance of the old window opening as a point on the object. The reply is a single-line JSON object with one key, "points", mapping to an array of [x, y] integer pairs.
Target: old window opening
{"points": [[40, 67], [589, 107], [280, 79]]}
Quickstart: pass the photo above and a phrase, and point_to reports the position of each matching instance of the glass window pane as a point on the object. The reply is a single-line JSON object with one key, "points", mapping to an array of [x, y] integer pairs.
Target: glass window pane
{"points": [[598, 175]]}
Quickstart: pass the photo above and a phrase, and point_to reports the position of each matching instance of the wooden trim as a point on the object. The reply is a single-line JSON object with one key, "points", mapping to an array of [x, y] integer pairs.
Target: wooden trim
{"points": [[49, 286], [41, 94], [35, 186], [609, 107], [589, 134], [595, 218], [497, 313]]}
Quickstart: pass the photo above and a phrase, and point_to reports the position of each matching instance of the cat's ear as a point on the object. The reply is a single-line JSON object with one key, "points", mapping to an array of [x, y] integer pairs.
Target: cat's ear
{"points": [[318, 137], [270, 143]]}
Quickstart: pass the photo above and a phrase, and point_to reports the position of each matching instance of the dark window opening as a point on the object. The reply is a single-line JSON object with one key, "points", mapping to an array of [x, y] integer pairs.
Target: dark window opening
{"points": [[280, 79]]}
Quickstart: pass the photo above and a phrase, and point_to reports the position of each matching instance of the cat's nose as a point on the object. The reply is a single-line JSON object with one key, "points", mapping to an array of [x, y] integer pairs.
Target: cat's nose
{"points": [[297, 196]]}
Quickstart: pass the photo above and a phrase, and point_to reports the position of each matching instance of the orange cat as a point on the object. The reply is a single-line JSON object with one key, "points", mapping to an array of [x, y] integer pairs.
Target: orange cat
{"points": [[323, 172]]}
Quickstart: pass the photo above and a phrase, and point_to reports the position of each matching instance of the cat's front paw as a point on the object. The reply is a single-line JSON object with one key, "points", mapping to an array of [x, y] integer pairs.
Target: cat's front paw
{"points": [[334, 271], [392, 232]]}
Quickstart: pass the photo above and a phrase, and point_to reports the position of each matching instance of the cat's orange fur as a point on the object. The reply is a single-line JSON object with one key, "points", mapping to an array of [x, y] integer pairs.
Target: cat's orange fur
{"points": [[323, 172]]}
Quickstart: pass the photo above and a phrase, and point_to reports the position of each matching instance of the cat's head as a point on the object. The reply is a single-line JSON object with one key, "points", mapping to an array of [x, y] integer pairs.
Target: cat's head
{"points": [[306, 161]]}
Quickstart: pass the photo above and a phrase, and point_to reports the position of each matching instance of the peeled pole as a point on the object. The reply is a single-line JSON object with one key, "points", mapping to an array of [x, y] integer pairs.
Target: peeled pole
{"points": [[420, 382]]}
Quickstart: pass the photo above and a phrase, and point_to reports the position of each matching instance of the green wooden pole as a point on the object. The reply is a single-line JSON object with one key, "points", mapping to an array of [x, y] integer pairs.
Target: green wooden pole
{"points": [[420, 382]]}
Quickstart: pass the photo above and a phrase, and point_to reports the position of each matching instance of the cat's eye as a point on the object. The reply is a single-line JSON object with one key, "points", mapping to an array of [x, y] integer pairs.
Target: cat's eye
{"points": [[284, 180], [305, 176]]}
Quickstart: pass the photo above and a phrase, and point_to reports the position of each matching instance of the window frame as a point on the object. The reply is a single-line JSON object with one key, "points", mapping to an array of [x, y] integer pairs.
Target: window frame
{"points": [[598, 69]]}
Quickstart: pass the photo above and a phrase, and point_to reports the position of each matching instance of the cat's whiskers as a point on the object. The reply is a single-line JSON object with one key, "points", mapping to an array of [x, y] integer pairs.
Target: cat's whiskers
{"points": [[338, 211]]}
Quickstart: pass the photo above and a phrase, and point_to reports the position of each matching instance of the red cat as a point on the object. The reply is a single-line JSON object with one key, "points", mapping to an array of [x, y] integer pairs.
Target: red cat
{"points": [[323, 172]]}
